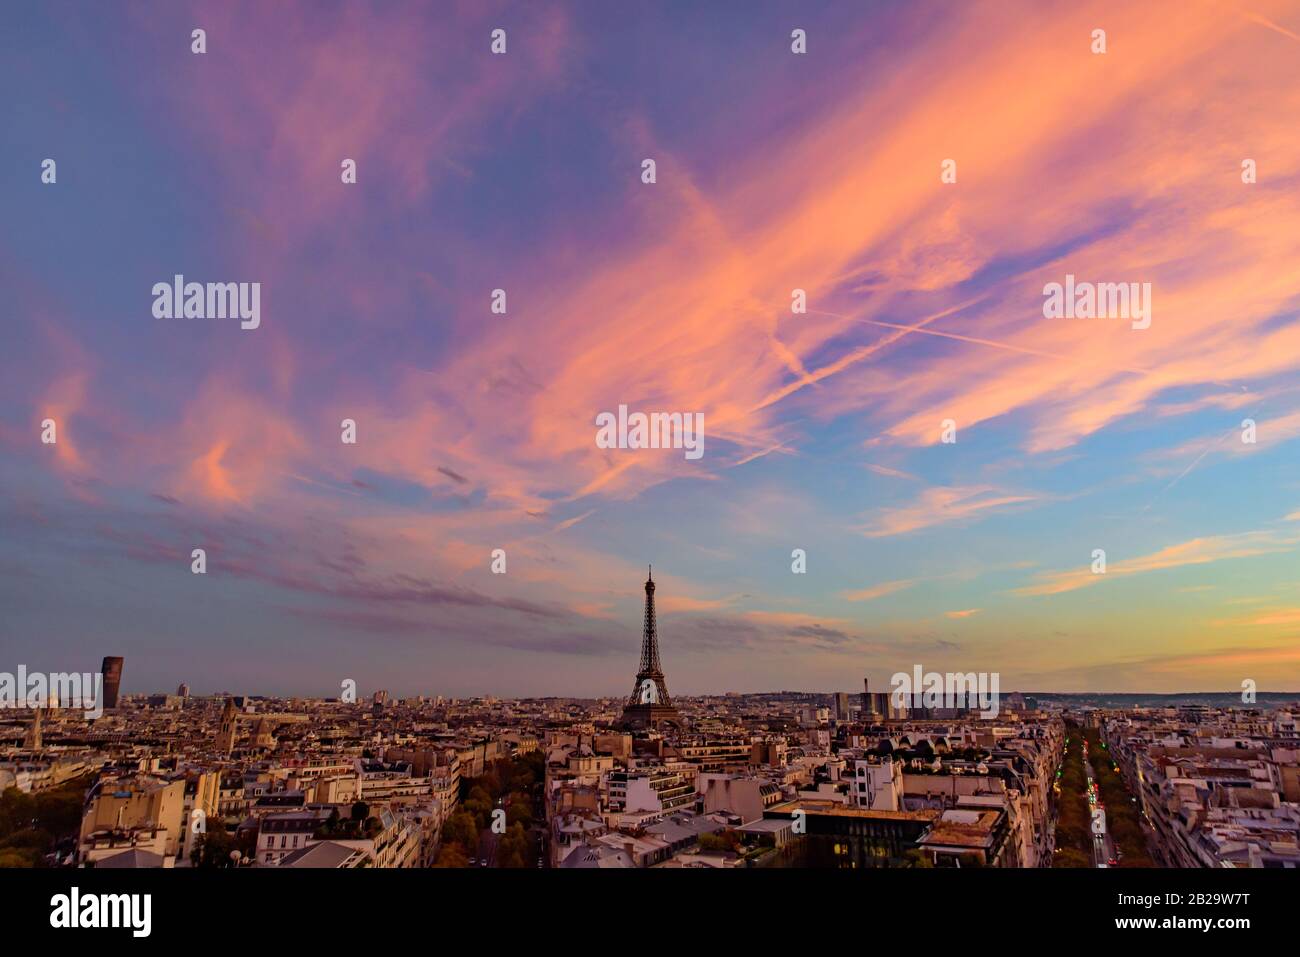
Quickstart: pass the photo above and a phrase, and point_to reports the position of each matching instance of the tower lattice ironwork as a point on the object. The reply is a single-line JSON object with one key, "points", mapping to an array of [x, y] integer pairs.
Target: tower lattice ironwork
{"points": [[649, 633], [649, 704]]}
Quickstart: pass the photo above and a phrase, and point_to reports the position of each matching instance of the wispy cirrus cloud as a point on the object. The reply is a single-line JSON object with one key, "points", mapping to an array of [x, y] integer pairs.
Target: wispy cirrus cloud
{"points": [[941, 506], [925, 304], [891, 473], [877, 591], [1197, 551]]}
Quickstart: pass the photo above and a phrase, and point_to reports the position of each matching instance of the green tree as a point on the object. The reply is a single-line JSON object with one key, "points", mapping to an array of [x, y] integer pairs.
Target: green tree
{"points": [[727, 840], [9, 857], [915, 857], [512, 858], [32, 824], [520, 810], [512, 849], [1069, 857], [212, 849], [462, 829], [451, 855]]}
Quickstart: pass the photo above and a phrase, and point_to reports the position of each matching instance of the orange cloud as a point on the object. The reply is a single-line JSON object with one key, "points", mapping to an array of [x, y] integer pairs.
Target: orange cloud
{"points": [[937, 506], [1198, 551], [877, 591]]}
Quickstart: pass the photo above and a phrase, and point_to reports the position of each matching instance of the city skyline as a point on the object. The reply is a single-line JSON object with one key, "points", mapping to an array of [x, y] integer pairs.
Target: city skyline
{"points": [[823, 430], [184, 690]]}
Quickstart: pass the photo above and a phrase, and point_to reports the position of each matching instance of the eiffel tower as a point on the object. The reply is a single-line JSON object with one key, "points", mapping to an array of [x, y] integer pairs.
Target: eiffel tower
{"points": [[649, 705]]}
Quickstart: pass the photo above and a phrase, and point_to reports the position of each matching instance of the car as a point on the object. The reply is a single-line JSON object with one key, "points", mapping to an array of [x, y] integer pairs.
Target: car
{"points": [[1113, 861], [483, 863], [473, 861]]}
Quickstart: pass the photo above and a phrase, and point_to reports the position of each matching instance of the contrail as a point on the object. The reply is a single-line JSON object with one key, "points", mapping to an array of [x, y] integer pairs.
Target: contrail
{"points": [[1195, 462], [1256, 18], [989, 342], [856, 355]]}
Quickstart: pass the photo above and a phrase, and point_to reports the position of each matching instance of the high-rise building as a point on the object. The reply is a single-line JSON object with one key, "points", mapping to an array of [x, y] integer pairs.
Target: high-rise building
{"points": [[183, 691], [841, 706], [649, 705], [881, 705], [112, 674]]}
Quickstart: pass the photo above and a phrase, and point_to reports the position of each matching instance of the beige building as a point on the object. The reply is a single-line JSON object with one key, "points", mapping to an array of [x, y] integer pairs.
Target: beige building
{"points": [[745, 796], [126, 812]]}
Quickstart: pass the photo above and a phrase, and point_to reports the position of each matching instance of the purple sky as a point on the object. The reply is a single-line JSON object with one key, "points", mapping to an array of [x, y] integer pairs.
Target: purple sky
{"points": [[476, 431]]}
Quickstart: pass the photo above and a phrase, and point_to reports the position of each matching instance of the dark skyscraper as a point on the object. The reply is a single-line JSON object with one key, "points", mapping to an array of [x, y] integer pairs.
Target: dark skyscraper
{"points": [[112, 671]]}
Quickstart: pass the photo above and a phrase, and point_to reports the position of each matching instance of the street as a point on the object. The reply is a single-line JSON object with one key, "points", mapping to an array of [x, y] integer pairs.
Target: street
{"points": [[1103, 848]]}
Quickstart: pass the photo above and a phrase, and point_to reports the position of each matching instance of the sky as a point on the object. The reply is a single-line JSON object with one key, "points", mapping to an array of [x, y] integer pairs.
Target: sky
{"points": [[774, 171]]}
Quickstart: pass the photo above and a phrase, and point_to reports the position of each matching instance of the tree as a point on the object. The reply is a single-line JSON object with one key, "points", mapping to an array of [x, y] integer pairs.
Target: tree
{"points": [[360, 811], [12, 858], [31, 825], [450, 855], [915, 857], [1069, 857], [462, 829], [513, 847], [520, 810], [727, 840], [213, 848]]}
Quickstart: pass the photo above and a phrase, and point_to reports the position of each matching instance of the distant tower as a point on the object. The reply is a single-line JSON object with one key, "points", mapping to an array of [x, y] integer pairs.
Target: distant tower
{"points": [[229, 729], [649, 705], [183, 691], [112, 672], [32, 742]]}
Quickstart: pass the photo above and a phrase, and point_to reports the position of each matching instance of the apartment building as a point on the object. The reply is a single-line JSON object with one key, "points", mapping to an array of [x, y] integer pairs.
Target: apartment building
{"points": [[1215, 789]]}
